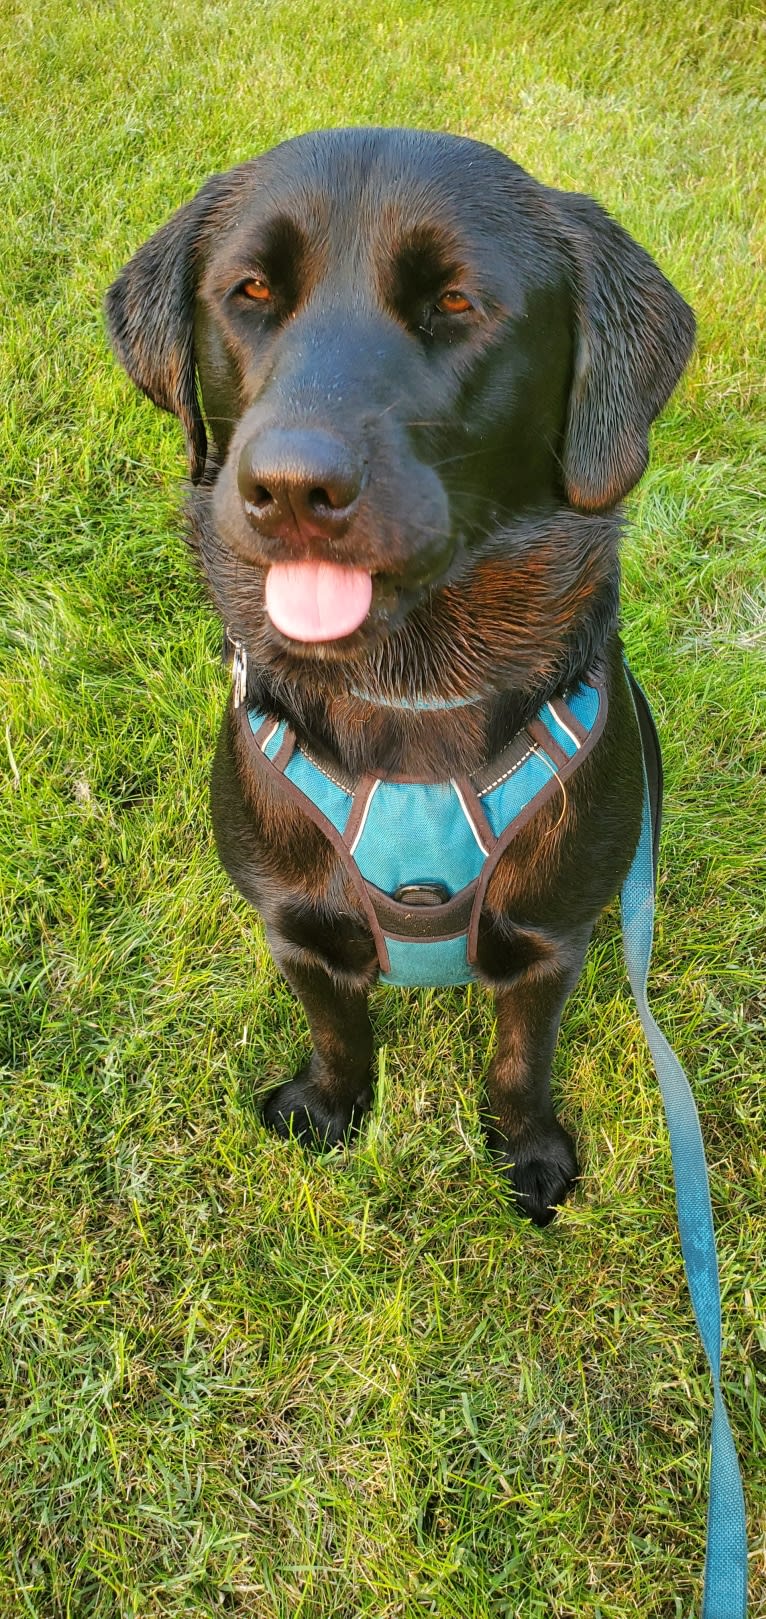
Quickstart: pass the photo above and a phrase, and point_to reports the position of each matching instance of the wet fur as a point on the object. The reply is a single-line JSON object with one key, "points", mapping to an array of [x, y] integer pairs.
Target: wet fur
{"points": [[499, 450]]}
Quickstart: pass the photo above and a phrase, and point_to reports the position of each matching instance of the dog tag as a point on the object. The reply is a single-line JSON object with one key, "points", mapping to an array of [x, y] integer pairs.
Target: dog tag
{"points": [[239, 673]]}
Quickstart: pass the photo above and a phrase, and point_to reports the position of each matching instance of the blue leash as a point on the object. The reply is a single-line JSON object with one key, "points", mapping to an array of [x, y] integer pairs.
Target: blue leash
{"points": [[725, 1589]]}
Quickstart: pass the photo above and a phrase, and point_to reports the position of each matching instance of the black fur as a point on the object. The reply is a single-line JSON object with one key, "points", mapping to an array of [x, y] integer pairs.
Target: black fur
{"points": [[483, 454]]}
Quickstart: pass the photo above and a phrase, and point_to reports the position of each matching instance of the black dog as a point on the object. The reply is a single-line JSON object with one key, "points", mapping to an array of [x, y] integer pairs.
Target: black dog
{"points": [[428, 382]]}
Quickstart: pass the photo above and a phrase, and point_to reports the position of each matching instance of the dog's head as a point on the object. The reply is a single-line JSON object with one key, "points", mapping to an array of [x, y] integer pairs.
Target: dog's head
{"points": [[408, 351]]}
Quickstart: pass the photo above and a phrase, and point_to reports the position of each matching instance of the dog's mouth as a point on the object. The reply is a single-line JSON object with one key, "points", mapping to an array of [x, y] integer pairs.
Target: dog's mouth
{"points": [[316, 601], [333, 610]]}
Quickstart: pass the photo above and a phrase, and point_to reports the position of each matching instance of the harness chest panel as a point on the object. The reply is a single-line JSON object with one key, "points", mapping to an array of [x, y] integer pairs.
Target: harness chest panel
{"points": [[421, 853]]}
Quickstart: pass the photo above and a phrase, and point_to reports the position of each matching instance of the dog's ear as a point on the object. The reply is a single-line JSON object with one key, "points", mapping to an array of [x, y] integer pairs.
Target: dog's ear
{"points": [[150, 317], [634, 335]]}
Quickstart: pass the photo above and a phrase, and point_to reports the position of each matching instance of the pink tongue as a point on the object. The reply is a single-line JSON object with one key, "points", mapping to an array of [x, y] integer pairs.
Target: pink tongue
{"points": [[317, 601]]}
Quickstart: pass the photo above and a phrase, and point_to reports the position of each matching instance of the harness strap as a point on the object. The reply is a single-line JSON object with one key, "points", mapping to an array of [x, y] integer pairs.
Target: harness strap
{"points": [[281, 741], [725, 1586], [538, 738]]}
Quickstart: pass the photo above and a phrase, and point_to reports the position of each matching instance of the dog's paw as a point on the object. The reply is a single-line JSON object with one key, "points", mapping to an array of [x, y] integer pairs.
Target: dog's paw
{"points": [[301, 1109], [541, 1168]]}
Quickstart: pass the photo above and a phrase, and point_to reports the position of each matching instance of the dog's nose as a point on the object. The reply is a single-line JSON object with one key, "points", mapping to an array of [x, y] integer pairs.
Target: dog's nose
{"points": [[299, 478]]}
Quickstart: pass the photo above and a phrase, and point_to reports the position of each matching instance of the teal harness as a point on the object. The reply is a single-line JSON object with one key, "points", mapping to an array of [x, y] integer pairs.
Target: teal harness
{"points": [[420, 855]]}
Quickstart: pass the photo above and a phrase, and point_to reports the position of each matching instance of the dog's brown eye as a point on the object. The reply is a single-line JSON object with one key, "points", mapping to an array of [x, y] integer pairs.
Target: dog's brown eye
{"points": [[257, 289], [453, 302]]}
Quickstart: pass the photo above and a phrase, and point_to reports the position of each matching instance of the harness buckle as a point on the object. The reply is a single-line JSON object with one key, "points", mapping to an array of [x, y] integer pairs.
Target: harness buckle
{"points": [[421, 894]]}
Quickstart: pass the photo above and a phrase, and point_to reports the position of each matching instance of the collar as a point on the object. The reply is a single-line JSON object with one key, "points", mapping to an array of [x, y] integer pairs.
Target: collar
{"points": [[416, 705]]}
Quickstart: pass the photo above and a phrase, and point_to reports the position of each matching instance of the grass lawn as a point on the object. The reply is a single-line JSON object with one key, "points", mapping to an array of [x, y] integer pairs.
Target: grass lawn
{"points": [[237, 1379]]}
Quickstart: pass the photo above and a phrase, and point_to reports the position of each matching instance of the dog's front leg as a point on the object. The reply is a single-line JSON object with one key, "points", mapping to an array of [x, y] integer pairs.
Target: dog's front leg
{"points": [[522, 1128], [327, 1098]]}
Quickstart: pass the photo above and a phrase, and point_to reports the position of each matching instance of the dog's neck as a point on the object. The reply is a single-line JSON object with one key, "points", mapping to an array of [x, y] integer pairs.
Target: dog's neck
{"points": [[436, 736]]}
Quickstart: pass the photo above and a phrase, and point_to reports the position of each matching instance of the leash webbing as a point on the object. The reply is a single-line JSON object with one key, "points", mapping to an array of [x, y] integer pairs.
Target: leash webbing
{"points": [[725, 1586]]}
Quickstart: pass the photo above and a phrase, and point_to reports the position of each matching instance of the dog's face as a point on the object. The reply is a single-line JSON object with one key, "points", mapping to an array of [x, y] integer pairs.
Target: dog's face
{"points": [[354, 333], [406, 348]]}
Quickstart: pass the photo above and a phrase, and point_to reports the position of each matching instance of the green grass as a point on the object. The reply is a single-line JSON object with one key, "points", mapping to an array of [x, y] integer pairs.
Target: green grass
{"points": [[238, 1379]]}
